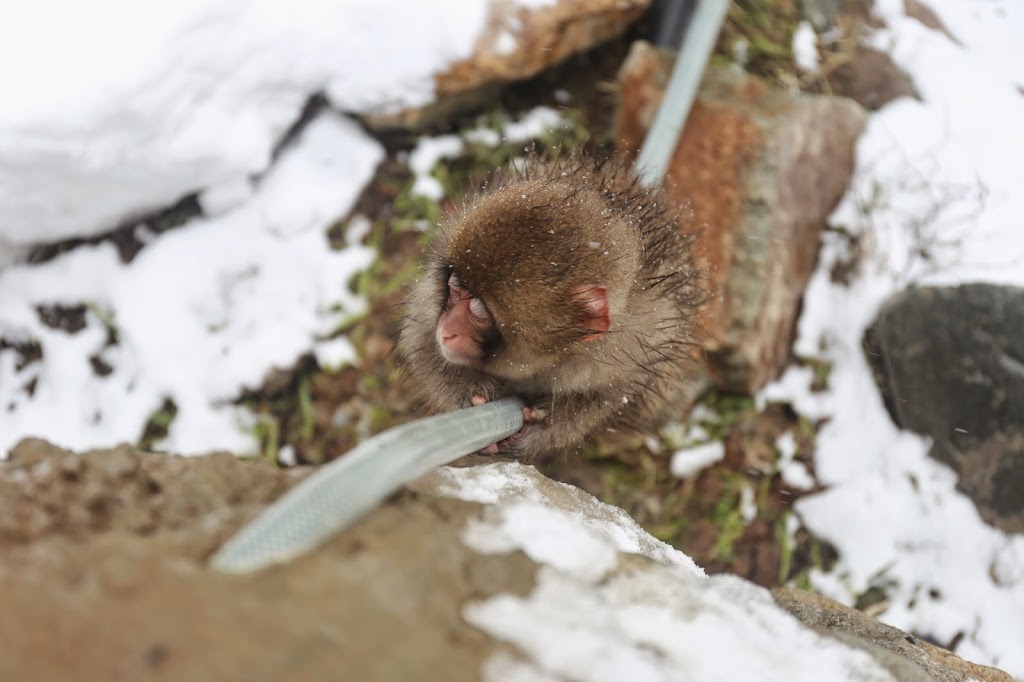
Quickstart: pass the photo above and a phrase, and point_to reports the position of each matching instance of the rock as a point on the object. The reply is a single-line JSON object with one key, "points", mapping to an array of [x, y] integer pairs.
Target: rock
{"points": [[821, 13], [46, 491], [870, 78], [926, 15], [486, 572], [950, 364], [905, 656], [520, 41], [762, 171]]}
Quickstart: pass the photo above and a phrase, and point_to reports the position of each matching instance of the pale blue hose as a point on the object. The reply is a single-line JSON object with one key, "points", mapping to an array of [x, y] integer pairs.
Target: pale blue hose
{"points": [[338, 493], [697, 45]]}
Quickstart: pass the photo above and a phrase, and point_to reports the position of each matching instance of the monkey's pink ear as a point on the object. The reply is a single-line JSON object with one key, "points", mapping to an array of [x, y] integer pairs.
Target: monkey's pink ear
{"points": [[593, 301]]}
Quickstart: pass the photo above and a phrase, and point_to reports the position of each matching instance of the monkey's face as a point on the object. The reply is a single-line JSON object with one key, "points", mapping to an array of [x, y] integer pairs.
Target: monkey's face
{"points": [[466, 331], [516, 341], [524, 275]]}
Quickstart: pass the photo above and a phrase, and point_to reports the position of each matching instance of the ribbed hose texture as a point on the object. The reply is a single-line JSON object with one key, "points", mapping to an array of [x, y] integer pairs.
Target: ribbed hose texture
{"points": [[338, 493]]}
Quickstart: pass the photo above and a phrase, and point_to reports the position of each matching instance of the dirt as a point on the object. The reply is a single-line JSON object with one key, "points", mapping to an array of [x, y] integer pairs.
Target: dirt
{"points": [[126, 238], [701, 515]]}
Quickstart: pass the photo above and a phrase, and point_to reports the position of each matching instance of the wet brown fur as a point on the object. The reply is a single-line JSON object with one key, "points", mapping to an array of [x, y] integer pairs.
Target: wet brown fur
{"points": [[523, 244]]}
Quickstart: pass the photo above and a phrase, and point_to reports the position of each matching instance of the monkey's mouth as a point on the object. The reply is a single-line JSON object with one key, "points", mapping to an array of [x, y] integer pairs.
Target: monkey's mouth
{"points": [[456, 357]]}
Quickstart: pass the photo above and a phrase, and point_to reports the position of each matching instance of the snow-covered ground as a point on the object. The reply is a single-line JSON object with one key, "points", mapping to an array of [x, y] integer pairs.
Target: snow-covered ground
{"points": [[120, 108], [892, 512], [123, 107], [587, 618], [201, 313], [114, 107]]}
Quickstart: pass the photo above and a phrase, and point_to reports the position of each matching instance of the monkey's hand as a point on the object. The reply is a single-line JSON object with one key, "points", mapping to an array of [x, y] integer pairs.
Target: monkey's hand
{"points": [[458, 388], [531, 416]]}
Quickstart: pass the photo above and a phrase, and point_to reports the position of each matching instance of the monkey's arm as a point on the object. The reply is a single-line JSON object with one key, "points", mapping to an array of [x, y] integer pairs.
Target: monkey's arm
{"points": [[444, 387]]}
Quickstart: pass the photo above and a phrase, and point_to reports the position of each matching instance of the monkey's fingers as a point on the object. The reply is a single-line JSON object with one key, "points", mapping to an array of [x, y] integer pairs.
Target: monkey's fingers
{"points": [[511, 443], [477, 400], [533, 414]]}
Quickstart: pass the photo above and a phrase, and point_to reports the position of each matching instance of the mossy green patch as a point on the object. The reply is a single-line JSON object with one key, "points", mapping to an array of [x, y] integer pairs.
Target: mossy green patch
{"points": [[766, 27], [158, 425]]}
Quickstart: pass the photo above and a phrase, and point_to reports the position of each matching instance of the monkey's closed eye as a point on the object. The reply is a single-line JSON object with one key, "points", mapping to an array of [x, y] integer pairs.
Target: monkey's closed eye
{"points": [[479, 310]]}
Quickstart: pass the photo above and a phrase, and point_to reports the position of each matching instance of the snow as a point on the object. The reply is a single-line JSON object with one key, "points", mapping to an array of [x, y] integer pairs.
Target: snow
{"points": [[990, 31], [547, 535], [747, 504], [431, 150], [216, 200], [794, 474], [506, 43], [537, 122], [740, 50], [428, 152], [945, 173], [286, 456], [532, 519], [805, 47], [591, 616], [121, 107], [1008, 565], [502, 666], [485, 136], [786, 445], [536, 4], [334, 354], [693, 460], [201, 313]]}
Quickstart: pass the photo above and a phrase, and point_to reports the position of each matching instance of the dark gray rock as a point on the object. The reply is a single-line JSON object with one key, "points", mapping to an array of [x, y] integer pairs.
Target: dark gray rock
{"points": [[950, 365], [821, 13]]}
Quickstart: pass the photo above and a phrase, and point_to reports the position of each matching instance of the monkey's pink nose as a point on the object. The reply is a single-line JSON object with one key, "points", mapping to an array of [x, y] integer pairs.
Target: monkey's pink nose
{"points": [[457, 348]]}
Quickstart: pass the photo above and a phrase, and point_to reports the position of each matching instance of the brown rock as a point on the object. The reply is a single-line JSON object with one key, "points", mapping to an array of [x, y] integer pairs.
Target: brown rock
{"points": [[45, 490], [103, 601], [926, 15], [385, 600], [762, 170], [643, 78], [905, 656], [870, 78], [519, 42], [822, 14]]}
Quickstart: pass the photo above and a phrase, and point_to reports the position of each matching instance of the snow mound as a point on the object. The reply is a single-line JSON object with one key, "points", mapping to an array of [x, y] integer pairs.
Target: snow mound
{"points": [[129, 106], [200, 314]]}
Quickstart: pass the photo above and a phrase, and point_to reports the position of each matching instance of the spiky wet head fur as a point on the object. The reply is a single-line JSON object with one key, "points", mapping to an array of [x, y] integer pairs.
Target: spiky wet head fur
{"points": [[548, 239]]}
